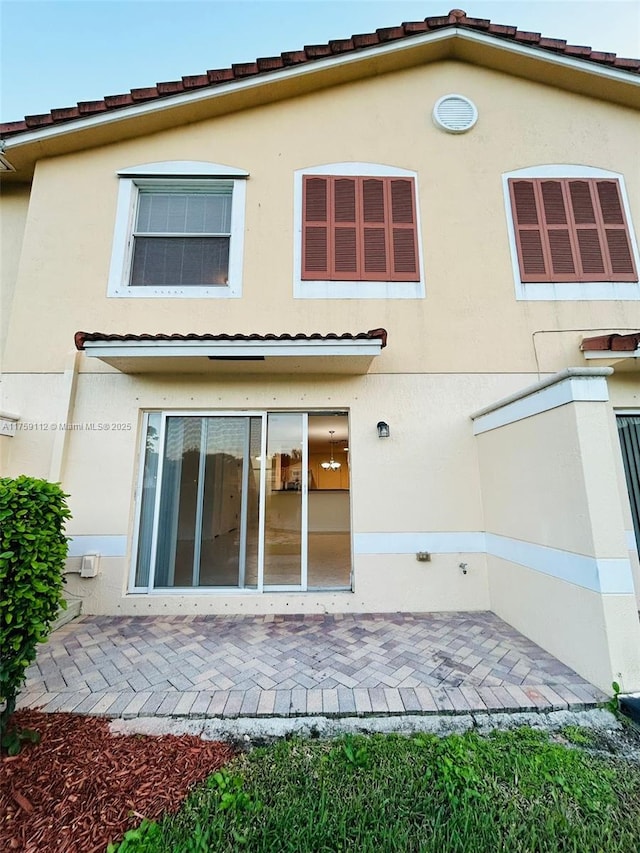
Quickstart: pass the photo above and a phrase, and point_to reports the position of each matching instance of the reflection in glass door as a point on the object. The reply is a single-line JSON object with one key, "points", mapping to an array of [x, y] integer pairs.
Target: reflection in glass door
{"points": [[207, 507], [286, 500], [244, 501]]}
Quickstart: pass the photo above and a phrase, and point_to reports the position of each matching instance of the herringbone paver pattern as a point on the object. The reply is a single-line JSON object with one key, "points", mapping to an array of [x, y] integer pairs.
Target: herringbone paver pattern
{"points": [[337, 664]]}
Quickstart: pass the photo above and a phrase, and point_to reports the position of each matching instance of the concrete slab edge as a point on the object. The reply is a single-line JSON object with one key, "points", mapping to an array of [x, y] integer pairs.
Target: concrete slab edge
{"points": [[252, 730]]}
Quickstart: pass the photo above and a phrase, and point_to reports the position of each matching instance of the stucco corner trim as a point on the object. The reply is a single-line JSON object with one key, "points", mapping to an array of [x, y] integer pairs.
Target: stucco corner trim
{"points": [[575, 384]]}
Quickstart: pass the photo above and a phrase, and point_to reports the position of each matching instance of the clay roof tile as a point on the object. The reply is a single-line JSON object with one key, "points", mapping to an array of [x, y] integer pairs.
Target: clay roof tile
{"points": [[114, 101], [38, 120], [390, 33], [171, 87], [336, 47], [293, 57], [146, 94], [80, 338], [317, 51], [245, 69], [197, 81], [341, 45], [269, 63]]}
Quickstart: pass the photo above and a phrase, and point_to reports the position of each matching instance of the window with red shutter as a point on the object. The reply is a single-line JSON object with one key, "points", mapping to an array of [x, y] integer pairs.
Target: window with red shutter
{"points": [[571, 230], [359, 229]]}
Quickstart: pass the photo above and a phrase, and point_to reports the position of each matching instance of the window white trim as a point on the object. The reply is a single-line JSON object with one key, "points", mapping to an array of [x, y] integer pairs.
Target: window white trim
{"points": [[352, 289], [180, 173], [182, 168], [589, 290]]}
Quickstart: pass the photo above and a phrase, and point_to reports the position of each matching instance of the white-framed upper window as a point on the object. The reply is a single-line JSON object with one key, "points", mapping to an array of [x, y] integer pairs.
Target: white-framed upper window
{"points": [[179, 231], [357, 233], [570, 234]]}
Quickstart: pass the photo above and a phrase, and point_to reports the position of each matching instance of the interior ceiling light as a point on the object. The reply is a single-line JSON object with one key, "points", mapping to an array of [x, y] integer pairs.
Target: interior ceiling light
{"points": [[331, 465]]}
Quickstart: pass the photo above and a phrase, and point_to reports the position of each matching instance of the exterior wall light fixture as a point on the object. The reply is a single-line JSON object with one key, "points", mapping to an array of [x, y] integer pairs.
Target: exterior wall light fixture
{"points": [[383, 430]]}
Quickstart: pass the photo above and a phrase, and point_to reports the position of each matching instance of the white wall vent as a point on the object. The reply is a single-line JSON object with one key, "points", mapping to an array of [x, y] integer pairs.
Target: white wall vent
{"points": [[455, 113]]}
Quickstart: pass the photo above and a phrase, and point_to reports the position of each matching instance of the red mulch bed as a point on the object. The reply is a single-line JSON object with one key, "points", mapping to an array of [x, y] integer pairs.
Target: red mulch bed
{"points": [[81, 787]]}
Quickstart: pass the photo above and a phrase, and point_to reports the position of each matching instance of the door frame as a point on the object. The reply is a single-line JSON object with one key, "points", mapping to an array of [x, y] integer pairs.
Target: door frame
{"points": [[263, 415]]}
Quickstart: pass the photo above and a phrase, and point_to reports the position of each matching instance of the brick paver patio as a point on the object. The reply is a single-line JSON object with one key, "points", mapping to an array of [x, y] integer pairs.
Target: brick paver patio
{"points": [[331, 665]]}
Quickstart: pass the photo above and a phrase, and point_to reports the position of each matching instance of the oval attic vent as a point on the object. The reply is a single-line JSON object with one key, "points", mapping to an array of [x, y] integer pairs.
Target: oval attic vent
{"points": [[455, 113]]}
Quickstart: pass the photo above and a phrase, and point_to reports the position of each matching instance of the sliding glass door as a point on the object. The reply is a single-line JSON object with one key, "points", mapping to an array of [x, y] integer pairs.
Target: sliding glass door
{"points": [[225, 503]]}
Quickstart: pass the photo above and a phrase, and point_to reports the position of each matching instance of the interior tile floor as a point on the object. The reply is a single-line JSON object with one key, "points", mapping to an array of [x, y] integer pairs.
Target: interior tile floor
{"points": [[293, 665]]}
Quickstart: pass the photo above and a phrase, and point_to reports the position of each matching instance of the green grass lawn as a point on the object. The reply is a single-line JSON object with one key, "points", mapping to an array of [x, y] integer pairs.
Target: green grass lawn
{"points": [[509, 791]]}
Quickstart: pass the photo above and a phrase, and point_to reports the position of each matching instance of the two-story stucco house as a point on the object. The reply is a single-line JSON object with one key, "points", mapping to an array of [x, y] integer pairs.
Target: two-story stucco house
{"points": [[355, 328]]}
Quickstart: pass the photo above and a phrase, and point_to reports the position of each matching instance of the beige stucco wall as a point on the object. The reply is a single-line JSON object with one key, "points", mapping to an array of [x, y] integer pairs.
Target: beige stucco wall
{"points": [[424, 479], [457, 328], [467, 344], [597, 635], [552, 480], [13, 214]]}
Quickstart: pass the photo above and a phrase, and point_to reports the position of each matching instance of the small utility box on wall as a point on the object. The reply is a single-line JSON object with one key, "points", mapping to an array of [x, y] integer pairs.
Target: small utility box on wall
{"points": [[89, 565]]}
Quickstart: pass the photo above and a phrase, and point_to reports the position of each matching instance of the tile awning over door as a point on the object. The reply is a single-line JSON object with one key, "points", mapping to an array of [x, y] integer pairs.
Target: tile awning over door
{"points": [[346, 353]]}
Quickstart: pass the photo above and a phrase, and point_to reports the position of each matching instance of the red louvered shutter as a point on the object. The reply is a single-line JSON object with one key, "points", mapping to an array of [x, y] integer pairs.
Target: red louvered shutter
{"points": [[375, 215], [529, 231], [344, 265], [359, 229], [404, 235], [560, 264], [315, 228], [571, 230], [616, 232]]}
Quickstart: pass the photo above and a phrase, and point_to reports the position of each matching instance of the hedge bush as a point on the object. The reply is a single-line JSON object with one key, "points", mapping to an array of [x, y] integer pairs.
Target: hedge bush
{"points": [[33, 549]]}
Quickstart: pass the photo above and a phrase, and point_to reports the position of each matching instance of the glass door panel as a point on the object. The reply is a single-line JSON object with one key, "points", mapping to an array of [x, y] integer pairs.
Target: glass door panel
{"points": [[176, 523], [209, 502], [284, 517], [252, 490], [224, 461], [245, 501], [329, 531]]}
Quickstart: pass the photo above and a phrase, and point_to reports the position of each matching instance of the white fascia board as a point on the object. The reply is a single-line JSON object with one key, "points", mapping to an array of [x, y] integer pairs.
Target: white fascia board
{"points": [[238, 349], [312, 67], [575, 384], [608, 353]]}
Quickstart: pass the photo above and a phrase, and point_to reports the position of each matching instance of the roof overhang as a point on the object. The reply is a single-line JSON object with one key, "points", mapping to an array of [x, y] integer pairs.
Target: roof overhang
{"points": [[614, 350], [262, 354], [557, 69]]}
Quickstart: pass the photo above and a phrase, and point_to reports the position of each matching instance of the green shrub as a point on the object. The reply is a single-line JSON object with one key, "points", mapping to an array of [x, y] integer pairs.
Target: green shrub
{"points": [[33, 549]]}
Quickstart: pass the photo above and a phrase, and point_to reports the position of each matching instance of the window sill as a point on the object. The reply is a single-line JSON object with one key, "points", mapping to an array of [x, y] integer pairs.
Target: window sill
{"points": [[358, 289], [223, 291], [573, 292]]}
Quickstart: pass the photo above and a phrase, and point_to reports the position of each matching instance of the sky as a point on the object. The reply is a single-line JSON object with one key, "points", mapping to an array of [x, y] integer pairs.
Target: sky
{"points": [[54, 53]]}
